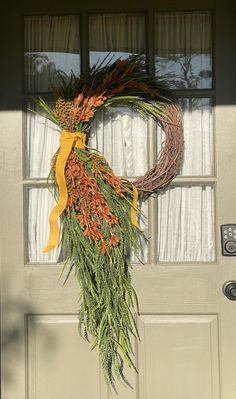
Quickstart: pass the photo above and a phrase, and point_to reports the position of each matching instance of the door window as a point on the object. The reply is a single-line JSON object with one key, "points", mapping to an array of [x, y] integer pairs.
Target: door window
{"points": [[183, 223]]}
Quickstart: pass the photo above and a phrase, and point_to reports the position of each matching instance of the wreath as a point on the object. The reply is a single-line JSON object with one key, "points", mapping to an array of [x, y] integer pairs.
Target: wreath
{"points": [[99, 210]]}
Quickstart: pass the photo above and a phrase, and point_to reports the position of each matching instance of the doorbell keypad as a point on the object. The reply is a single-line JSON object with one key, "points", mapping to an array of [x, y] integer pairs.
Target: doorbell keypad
{"points": [[228, 239]]}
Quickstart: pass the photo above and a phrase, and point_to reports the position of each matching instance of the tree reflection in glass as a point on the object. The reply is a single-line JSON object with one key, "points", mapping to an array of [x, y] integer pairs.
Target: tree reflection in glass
{"points": [[183, 49], [185, 71]]}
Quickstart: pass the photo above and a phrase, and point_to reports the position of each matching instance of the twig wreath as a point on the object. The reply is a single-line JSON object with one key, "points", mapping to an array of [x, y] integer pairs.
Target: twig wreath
{"points": [[98, 209]]}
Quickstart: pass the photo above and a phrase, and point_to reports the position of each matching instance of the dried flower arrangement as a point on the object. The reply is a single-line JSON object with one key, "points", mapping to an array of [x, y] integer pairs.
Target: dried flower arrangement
{"points": [[98, 209]]}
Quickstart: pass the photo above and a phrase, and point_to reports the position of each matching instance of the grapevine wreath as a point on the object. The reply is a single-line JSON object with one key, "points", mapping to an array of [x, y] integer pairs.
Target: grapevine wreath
{"points": [[99, 210]]}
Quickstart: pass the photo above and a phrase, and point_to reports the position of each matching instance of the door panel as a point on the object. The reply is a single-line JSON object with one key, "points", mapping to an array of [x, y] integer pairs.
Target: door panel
{"points": [[56, 359], [182, 349], [187, 326]]}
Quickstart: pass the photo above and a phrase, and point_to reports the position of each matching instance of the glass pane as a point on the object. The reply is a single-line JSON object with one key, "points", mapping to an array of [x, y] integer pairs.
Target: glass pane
{"points": [[117, 35], [52, 45], [186, 224], [42, 141], [121, 135], [198, 137], [183, 49], [40, 203]]}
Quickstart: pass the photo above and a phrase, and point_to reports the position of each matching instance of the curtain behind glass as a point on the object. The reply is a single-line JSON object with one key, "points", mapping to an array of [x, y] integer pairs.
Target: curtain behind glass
{"points": [[186, 214], [186, 224], [40, 203], [121, 135], [183, 49], [52, 44], [42, 142], [117, 35]]}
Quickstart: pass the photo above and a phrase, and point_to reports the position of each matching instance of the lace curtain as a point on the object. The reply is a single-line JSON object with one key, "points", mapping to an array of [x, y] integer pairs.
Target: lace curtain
{"points": [[185, 214]]}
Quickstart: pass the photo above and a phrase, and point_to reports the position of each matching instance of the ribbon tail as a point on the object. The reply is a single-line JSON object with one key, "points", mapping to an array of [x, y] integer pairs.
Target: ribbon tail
{"points": [[134, 207], [54, 230], [64, 152]]}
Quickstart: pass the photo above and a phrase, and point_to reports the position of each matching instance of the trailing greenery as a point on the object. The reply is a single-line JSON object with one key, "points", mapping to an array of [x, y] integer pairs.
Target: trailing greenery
{"points": [[108, 302]]}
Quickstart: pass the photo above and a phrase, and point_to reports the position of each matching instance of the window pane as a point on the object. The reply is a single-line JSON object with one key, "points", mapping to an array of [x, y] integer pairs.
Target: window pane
{"points": [[183, 49], [117, 35], [40, 202], [121, 135], [42, 141], [198, 137], [186, 224], [52, 45]]}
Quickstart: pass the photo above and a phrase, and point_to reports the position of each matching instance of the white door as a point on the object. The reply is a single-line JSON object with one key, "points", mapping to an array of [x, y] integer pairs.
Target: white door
{"points": [[186, 323]]}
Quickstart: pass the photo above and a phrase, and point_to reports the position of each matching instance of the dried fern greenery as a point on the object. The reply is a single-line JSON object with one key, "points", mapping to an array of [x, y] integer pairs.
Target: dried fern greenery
{"points": [[100, 230]]}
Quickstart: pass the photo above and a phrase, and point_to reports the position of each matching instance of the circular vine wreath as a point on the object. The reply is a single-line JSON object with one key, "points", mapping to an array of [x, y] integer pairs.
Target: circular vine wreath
{"points": [[170, 157], [98, 209]]}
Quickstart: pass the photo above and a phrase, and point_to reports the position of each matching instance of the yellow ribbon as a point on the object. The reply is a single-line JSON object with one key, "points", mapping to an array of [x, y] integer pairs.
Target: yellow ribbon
{"points": [[134, 207], [68, 140]]}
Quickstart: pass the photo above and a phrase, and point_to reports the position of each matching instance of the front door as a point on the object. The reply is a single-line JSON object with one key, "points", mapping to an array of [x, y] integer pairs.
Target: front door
{"points": [[186, 323]]}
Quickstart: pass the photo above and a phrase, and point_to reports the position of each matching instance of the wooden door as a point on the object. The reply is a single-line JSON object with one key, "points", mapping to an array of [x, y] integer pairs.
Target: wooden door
{"points": [[186, 323]]}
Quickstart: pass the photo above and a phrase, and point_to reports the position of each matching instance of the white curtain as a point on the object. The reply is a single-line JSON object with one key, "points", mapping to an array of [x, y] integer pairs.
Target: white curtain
{"points": [[186, 214], [183, 48], [118, 35], [40, 203], [121, 135], [42, 141], [52, 43], [186, 224]]}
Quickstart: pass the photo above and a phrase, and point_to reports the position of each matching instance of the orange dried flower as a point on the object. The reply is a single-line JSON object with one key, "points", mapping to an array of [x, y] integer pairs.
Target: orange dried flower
{"points": [[114, 241], [78, 100], [104, 247], [88, 201]]}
